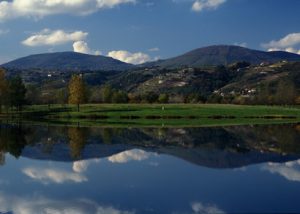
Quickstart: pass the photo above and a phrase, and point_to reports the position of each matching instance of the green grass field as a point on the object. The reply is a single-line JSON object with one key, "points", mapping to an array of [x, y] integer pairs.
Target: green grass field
{"points": [[162, 114]]}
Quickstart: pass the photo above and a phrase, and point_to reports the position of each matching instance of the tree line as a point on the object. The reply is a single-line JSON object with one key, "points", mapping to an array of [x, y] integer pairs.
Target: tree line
{"points": [[14, 94]]}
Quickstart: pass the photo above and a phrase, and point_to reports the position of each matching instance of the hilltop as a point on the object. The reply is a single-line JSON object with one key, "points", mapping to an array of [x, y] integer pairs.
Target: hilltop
{"points": [[223, 55], [67, 61]]}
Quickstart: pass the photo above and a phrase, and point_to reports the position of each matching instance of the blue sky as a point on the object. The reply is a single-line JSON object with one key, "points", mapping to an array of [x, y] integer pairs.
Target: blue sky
{"points": [[140, 30]]}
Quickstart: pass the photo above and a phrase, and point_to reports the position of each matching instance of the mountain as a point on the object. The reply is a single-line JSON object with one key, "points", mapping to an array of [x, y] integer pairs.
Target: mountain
{"points": [[223, 55], [207, 56], [67, 61]]}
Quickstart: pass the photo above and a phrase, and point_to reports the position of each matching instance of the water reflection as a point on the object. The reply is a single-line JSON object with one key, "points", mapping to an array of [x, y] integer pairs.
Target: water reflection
{"points": [[130, 155], [39, 204], [52, 175], [50, 169], [289, 170], [228, 147], [198, 207]]}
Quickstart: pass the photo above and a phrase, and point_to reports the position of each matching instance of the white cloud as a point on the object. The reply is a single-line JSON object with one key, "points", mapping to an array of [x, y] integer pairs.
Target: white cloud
{"points": [[200, 208], [289, 40], [289, 170], [53, 175], [131, 155], [242, 44], [154, 49], [82, 47], [40, 8], [81, 166], [287, 43], [128, 57], [48, 37], [290, 50], [112, 3], [200, 5], [31, 205]]}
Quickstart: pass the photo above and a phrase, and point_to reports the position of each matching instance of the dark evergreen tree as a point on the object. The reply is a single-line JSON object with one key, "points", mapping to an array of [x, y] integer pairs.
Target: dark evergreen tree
{"points": [[17, 92]]}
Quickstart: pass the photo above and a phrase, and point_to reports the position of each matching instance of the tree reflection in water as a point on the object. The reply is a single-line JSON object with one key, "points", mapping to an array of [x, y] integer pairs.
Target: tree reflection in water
{"points": [[219, 147]]}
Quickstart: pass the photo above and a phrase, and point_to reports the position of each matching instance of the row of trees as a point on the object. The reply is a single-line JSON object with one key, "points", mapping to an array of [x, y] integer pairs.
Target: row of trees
{"points": [[12, 92], [78, 94]]}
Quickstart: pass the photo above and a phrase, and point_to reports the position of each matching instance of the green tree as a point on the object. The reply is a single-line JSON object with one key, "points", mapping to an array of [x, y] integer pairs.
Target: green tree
{"points": [[77, 92], [215, 98], [33, 95], [4, 90], [163, 98], [119, 97], [106, 94], [263, 92], [61, 96], [95, 95], [134, 98], [17, 92], [150, 97], [285, 93], [195, 98], [48, 98]]}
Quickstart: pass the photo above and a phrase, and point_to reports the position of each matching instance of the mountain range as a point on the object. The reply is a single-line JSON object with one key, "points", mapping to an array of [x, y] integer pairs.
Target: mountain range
{"points": [[224, 55], [207, 56], [68, 61], [192, 77]]}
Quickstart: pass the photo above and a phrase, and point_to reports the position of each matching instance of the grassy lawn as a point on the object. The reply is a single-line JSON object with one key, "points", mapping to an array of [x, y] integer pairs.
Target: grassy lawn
{"points": [[163, 114]]}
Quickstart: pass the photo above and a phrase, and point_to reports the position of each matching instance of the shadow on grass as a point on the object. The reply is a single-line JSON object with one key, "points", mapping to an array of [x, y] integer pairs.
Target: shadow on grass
{"points": [[113, 110]]}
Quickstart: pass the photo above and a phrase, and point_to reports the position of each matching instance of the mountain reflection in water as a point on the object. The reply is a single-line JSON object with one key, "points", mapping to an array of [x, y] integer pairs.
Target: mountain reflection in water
{"points": [[227, 147], [239, 169]]}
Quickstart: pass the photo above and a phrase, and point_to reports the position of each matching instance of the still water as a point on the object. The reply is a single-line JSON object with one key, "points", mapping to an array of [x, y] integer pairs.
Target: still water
{"points": [[241, 169]]}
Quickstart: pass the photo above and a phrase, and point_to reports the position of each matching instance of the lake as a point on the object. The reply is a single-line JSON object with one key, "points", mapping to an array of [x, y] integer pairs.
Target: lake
{"points": [[234, 169]]}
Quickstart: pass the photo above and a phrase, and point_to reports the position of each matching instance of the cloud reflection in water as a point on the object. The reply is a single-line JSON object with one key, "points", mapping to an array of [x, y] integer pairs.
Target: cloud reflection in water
{"points": [[41, 205], [289, 170], [130, 155]]}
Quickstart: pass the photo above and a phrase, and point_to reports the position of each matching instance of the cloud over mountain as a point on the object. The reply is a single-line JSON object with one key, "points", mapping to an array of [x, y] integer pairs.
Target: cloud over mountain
{"points": [[57, 37], [288, 43], [82, 47], [128, 57]]}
